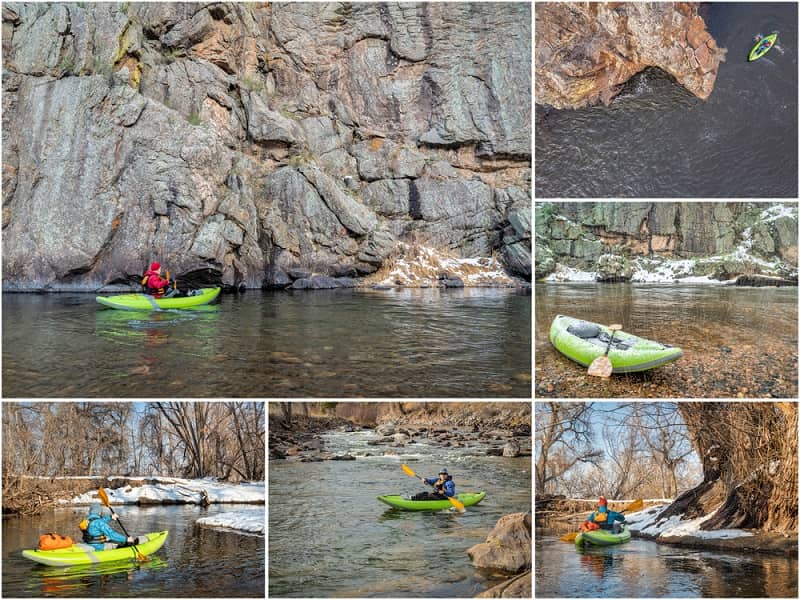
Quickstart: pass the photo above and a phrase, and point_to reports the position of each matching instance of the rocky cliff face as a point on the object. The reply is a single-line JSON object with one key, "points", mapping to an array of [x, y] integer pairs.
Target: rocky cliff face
{"points": [[663, 241], [585, 51], [243, 143]]}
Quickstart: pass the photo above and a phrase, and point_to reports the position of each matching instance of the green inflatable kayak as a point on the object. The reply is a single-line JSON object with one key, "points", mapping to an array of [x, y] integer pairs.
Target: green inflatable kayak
{"points": [[147, 302], [467, 499], [602, 537], [583, 341], [763, 46], [84, 554]]}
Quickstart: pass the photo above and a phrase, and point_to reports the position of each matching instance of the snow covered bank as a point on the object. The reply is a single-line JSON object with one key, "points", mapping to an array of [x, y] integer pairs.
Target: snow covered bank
{"points": [[171, 490], [646, 522], [678, 531], [247, 521]]}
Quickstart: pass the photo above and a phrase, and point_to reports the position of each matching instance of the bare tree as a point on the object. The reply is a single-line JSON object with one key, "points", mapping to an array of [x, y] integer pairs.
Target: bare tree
{"points": [[563, 440]]}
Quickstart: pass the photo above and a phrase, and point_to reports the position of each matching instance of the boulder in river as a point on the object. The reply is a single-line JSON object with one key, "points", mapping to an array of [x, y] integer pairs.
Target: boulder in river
{"points": [[511, 449], [508, 546]]}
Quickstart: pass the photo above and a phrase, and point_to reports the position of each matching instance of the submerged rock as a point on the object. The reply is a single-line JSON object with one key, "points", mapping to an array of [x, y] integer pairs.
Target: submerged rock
{"points": [[585, 51]]}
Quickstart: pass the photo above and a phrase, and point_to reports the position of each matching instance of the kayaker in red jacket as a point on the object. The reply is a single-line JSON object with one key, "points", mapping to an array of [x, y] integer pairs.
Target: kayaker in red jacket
{"points": [[155, 284]]}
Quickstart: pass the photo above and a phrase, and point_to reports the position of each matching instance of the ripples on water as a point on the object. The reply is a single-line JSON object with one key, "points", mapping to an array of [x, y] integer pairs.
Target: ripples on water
{"points": [[642, 568], [472, 342], [657, 140]]}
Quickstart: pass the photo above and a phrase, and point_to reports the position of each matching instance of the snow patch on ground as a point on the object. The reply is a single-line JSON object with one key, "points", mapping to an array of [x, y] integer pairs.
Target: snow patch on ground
{"points": [[564, 273], [776, 212], [645, 521], [248, 521], [185, 491], [420, 266]]}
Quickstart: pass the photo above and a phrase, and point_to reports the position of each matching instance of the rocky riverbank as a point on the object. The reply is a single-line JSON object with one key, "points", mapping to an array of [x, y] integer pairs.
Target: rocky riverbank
{"points": [[683, 242], [504, 432]]}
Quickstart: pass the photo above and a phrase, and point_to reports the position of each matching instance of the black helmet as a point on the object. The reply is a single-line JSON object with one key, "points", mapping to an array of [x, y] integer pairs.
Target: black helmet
{"points": [[443, 470]]}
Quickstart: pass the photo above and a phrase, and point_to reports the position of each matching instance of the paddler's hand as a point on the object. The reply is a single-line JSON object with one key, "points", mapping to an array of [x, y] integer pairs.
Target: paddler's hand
{"points": [[115, 517]]}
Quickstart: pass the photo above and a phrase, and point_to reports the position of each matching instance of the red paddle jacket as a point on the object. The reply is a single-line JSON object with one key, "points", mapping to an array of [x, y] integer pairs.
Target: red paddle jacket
{"points": [[155, 284]]}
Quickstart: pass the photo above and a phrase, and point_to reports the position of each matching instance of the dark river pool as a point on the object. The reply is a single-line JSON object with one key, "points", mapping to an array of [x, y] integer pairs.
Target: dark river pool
{"points": [[658, 140], [404, 343], [737, 341], [644, 569]]}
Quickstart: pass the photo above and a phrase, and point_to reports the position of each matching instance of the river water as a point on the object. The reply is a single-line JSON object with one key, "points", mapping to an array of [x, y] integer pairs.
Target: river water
{"points": [[642, 568], [404, 343], [736, 340], [194, 561], [330, 537], [657, 140]]}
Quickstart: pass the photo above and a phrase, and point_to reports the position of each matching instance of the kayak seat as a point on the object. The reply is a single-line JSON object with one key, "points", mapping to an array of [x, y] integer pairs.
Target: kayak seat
{"points": [[592, 333], [584, 330]]}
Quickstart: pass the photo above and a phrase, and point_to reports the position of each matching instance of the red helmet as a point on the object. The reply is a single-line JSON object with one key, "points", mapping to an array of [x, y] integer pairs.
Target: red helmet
{"points": [[602, 501], [155, 266]]}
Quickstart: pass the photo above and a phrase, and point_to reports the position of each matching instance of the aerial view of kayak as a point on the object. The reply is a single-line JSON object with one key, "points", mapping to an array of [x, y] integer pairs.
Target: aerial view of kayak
{"points": [[84, 554], [583, 341], [763, 46], [602, 537], [147, 302], [468, 499]]}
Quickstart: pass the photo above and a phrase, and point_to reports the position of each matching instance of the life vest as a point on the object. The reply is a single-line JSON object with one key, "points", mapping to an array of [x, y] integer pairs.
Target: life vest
{"points": [[600, 517], [54, 541]]}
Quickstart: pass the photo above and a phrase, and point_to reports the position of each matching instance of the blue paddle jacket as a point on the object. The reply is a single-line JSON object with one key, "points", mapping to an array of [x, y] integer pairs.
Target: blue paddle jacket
{"points": [[609, 522], [449, 486], [100, 528]]}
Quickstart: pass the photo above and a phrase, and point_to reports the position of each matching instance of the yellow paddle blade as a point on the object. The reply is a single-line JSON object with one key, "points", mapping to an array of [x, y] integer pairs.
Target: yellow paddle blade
{"points": [[569, 537], [637, 504], [457, 503], [103, 496], [407, 470]]}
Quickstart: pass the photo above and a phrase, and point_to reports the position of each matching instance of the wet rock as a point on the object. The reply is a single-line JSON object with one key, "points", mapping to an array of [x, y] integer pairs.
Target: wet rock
{"points": [[507, 547], [517, 587]]}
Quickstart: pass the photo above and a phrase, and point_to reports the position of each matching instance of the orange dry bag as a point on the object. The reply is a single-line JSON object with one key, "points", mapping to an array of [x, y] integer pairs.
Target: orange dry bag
{"points": [[54, 541]]}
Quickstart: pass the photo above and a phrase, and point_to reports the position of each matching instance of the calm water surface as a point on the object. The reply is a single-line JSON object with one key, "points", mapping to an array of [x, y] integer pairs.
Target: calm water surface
{"points": [[658, 140], [644, 569], [431, 343], [330, 537], [735, 339], [194, 561]]}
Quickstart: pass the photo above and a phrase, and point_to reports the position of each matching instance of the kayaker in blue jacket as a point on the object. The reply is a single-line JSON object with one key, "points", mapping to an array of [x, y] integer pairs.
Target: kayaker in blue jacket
{"points": [[443, 487], [606, 519], [97, 530]]}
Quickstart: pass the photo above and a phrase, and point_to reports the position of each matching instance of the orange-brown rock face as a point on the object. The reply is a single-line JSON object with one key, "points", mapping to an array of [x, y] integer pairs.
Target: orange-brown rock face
{"points": [[586, 51]]}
